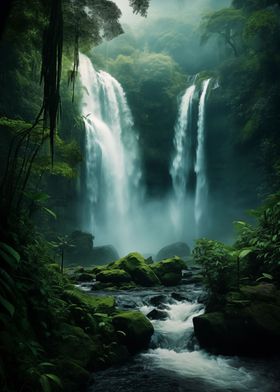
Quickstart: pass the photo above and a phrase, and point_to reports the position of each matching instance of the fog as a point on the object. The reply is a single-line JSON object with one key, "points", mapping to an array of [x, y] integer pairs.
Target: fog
{"points": [[155, 61], [190, 9]]}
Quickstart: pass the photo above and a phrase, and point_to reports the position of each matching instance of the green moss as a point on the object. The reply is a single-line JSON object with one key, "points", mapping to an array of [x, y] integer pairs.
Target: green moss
{"points": [[137, 328], [94, 303], [113, 276], [169, 271], [135, 265]]}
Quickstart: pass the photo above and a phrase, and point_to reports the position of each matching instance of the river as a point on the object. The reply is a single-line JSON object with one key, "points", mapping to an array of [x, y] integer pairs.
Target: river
{"points": [[175, 362]]}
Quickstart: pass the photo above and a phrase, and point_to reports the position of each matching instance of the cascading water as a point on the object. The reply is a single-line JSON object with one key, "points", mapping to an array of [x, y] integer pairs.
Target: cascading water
{"points": [[112, 165], [181, 164], [189, 202], [200, 164], [175, 361]]}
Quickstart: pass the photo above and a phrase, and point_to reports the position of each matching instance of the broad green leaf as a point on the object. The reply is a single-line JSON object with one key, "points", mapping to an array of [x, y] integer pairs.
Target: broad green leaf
{"points": [[54, 378], [264, 276], [244, 253], [45, 384]]}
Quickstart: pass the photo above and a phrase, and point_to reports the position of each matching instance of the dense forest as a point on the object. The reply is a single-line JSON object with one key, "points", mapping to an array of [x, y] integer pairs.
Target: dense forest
{"points": [[140, 195]]}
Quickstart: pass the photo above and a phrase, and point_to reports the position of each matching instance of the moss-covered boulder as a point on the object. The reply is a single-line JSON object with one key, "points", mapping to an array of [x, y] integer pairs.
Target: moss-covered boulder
{"points": [[136, 327], [169, 271], [92, 303], [179, 249], [248, 324], [135, 265], [113, 276]]}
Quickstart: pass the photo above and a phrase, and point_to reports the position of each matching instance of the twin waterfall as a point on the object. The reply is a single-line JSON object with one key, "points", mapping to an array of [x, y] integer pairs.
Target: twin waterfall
{"points": [[188, 168], [114, 205]]}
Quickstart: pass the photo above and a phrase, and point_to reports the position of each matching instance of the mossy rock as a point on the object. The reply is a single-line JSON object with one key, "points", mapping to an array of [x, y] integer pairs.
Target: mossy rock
{"points": [[113, 276], [84, 277], [93, 303], [137, 328], [135, 265], [179, 249], [242, 328], [169, 271]]}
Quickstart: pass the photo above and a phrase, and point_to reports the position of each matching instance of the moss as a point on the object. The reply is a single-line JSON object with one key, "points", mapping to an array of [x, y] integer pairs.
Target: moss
{"points": [[93, 303], [137, 328], [84, 277], [169, 271], [135, 265], [113, 276]]}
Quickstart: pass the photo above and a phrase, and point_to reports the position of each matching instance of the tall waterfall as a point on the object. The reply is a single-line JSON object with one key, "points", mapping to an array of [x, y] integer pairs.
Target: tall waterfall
{"points": [[181, 164], [201, 193], [189, 162], [112, 172]]}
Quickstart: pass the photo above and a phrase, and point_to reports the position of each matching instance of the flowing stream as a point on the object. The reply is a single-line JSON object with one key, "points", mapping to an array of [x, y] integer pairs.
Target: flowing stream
{"points": [[175, 362]]}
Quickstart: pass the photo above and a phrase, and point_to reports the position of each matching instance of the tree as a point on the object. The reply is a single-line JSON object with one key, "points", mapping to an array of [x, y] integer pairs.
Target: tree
{"points": [[227, 23]]}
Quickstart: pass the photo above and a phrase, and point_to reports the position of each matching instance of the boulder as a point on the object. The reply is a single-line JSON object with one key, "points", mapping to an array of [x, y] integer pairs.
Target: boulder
{"points": [[249, 323], [134, 264], [83, 277], [157, 314], [137, 328], [177, 249], [169, 271], [83, 252], [113, 276], [104, 254]]}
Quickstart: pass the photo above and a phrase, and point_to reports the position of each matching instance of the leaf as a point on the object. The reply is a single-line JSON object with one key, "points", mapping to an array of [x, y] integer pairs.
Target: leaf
{"points": [[10, 251], [47, 364], [265, 276], [244, 253], [7, 306], [54, 378], [45, 383], [50, 212]]}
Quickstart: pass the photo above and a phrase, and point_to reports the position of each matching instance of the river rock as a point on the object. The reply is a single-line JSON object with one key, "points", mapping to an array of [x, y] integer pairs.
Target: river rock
{"points": [[169, 271], [157, 314], [158, 300], [179, 249], [134, 264], [137, 328], [249, 323]]}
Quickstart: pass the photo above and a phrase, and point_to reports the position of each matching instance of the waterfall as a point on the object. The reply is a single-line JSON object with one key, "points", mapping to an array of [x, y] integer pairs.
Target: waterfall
{"points": [[189, 200], [112, 169], [201, 193], [181, 164]]}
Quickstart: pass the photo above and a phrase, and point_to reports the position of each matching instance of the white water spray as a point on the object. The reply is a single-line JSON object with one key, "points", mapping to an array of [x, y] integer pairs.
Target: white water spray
{"points": [[201, 193], [112, 164]]}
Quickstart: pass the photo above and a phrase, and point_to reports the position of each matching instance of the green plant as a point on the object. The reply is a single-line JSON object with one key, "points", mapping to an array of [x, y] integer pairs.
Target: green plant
{"points": [[217, 266]]}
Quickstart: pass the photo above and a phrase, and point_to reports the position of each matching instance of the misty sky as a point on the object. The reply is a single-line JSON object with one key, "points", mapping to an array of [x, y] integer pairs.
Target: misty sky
{"points": [[167, 8]]}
